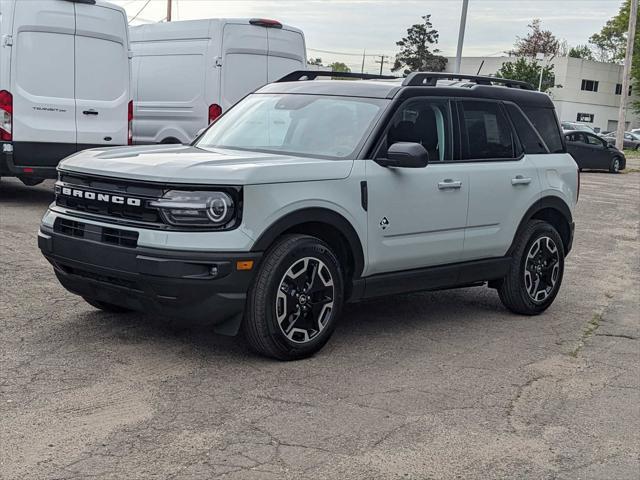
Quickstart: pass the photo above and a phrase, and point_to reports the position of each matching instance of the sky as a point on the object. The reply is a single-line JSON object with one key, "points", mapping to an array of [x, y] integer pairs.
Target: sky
{"points": [[348, 27]]}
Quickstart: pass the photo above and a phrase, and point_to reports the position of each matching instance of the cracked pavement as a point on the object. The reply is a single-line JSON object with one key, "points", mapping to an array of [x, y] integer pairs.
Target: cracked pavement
{"points": [[431, 385]]}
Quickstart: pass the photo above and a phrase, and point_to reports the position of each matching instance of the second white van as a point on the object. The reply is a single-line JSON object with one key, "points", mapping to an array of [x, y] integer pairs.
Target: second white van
{"points": [[64, 82], [186, 73]]}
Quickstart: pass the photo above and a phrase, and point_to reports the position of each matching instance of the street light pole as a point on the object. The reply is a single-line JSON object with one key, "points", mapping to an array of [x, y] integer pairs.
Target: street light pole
{"points": [[622, 111], [463, 24], [168, 10]]}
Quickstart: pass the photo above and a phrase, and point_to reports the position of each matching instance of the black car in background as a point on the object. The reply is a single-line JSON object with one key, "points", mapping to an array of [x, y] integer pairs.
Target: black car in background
{"points": [[592, 152], [631, 140]]}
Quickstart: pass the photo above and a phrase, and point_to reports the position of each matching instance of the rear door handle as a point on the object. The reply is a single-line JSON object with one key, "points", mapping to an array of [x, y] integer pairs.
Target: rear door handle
{"points": [[520, 180], [449, 184], [90, 112]]}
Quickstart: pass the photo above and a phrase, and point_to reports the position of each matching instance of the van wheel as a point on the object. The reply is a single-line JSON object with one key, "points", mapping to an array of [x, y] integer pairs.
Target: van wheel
{"points": [[170, 141], [106, 307], [31, 181], [536, 270], [296, 299]]}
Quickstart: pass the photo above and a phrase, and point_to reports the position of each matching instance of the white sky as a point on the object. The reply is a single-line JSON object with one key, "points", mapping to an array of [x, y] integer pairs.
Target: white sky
{"points": [[375, 25]]}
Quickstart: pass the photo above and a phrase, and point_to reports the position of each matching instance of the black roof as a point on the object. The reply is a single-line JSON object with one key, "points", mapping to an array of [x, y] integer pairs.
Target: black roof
{"points": [[416, 84]]}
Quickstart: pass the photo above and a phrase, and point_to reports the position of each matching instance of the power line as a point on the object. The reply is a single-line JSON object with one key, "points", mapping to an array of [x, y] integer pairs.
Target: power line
{"points": [[348, 54], [139, 11]]}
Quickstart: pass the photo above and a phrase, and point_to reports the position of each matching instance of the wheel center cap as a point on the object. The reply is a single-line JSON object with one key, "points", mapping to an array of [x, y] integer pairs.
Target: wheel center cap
{"points": [[303, 299]]}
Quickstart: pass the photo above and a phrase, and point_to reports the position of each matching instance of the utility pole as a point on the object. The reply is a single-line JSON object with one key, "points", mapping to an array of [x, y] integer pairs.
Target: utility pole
{"points": [[168, 10], [364, 54], [463, 24], [382, 61], [622, 112]]}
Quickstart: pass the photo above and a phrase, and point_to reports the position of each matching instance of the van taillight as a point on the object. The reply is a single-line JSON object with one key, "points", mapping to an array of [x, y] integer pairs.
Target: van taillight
{"points": [[130, 123], [215, 111], [6, 116]]}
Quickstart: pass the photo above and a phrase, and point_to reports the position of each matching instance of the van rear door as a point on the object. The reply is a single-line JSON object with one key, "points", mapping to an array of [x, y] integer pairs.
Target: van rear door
{"points": [[244, 61], [42, 84], [101, 75], [286, 52]]}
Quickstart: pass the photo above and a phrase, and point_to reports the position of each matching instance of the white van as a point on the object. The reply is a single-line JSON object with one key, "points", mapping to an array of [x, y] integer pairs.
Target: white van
{"points": [[64, 82], [185, 74]]}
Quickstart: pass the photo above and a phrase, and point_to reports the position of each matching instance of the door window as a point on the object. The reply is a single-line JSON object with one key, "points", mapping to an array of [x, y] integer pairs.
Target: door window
{"points": [[591, 140], [576, 137], [425, 121], [486, 133], [531, 141]]}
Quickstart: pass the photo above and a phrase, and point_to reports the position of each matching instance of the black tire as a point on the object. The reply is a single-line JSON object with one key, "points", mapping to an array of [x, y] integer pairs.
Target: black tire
{"points": [[614, 167], [31, 181], [106, 307], [514, 289], [275, 290]]}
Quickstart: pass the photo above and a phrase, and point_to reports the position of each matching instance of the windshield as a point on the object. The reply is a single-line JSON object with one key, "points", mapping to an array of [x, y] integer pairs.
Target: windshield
{"points": [[311, 125]]}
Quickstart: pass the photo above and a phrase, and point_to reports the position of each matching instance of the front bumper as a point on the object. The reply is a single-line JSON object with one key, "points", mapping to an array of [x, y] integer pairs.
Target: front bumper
{"points": [[163, 282]]}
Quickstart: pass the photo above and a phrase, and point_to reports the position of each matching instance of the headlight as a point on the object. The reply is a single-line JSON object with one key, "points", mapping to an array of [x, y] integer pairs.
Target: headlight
{"points": [[196, 209]]}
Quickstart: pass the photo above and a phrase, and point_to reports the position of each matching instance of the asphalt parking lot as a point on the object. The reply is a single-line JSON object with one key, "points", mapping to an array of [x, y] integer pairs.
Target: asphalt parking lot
{"points": [[434, 385]]}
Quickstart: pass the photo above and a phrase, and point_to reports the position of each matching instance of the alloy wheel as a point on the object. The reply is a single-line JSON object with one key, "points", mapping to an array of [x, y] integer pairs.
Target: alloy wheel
{"points": [[542, 268], [305, 299]]}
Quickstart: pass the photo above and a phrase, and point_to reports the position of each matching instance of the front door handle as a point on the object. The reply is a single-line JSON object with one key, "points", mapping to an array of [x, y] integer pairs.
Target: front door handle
{"points": [[90, 112], [449, 184], [520, 180]]}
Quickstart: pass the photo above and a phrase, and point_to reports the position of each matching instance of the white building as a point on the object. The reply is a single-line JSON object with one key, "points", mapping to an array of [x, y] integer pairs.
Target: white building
{"points": [[585, 91]]}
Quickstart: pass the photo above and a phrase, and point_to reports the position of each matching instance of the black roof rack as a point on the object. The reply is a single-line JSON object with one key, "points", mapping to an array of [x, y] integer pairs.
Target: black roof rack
{"points": [[313, 74], [430, 79]]}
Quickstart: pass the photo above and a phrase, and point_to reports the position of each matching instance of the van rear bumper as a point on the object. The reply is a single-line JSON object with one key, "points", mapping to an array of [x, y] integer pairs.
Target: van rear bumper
{"points": [[36, 159], [168, 283]]}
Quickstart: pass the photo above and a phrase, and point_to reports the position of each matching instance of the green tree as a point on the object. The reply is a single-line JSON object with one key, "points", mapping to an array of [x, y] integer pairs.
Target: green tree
{"points": [[611, 44], [339, 67], [527, 70], [537, 41], [415, 50], [581, 51]]}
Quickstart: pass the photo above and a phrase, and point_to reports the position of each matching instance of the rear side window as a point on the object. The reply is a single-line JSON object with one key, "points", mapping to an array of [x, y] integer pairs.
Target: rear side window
{"points": [[486, 132], [529, 138], [545, 122]]}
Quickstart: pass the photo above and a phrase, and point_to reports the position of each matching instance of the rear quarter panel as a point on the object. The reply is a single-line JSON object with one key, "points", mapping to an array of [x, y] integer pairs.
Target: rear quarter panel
{"points": [[558, 173]]}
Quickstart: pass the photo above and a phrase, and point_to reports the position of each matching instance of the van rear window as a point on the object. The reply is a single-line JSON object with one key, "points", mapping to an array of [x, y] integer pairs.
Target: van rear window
{"points": [[545, 121]]}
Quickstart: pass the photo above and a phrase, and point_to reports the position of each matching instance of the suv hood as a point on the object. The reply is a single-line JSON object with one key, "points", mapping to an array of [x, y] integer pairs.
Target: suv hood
{"points": [[186, 164]]}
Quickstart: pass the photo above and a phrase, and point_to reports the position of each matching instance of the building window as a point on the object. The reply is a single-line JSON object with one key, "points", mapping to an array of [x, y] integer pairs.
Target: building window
{"points": [[585, 117], [589, 85], [619, 89]]}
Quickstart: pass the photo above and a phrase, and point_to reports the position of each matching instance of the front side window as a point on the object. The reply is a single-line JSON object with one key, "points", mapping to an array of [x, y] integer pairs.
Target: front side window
{"points": [[591, 140], [576, 137], [486, 131], [293, 124], [426, 121]]}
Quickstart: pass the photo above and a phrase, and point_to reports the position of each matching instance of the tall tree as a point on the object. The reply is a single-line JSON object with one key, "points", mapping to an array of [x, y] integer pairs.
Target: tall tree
{"points": [[611, 44], [581, 51], [527, 70], [415, 49], [537, 41]]}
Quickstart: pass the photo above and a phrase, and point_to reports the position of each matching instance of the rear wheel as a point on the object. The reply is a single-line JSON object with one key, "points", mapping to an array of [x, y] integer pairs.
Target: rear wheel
{"points": [[296, 300], [615, 165], [106, 307], [536, 270]]}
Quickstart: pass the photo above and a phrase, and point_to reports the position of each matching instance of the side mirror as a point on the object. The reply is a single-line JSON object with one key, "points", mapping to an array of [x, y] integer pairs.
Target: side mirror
{"points": [[405, 155]]}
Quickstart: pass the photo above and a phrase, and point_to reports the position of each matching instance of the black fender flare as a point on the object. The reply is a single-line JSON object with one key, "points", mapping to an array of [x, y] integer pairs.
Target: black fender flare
{"points": [[314, 215], [555, 203]]}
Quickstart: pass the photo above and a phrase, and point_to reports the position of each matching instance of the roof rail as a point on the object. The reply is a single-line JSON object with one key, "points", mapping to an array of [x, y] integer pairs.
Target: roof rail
{"points": [[431, 78], [313, 74]]}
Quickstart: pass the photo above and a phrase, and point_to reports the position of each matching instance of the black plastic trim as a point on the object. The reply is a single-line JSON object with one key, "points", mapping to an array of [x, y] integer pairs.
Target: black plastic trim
{"points": [[431, 278], [314, 215], [554, 203]]}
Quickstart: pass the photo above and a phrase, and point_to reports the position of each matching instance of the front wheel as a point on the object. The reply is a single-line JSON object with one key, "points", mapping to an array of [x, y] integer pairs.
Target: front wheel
{"points": [[536, 270], [295, 302], [615, 165]]}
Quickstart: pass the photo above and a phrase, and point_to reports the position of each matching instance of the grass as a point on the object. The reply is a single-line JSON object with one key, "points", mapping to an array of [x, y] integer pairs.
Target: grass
{"points": [[588, 331]]}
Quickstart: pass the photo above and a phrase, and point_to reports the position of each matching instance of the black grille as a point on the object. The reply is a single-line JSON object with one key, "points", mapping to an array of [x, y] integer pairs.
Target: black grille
{"points": [[69, 227], [112, 236], [122, 238], [119, 282], [95, 196]]}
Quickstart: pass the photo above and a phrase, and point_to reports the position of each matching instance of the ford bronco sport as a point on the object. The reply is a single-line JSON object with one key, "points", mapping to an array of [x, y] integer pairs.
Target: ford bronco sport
{"points": [[310, 193]]}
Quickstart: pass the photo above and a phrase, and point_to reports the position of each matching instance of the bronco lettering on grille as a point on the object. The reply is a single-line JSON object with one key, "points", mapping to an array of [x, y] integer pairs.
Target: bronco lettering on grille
{"points": [[102, 197]]}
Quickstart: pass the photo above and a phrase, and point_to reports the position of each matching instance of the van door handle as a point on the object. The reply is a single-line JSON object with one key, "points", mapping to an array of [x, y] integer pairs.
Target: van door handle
{"points": [[449, 184], [520, 180], [90, 112]]}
